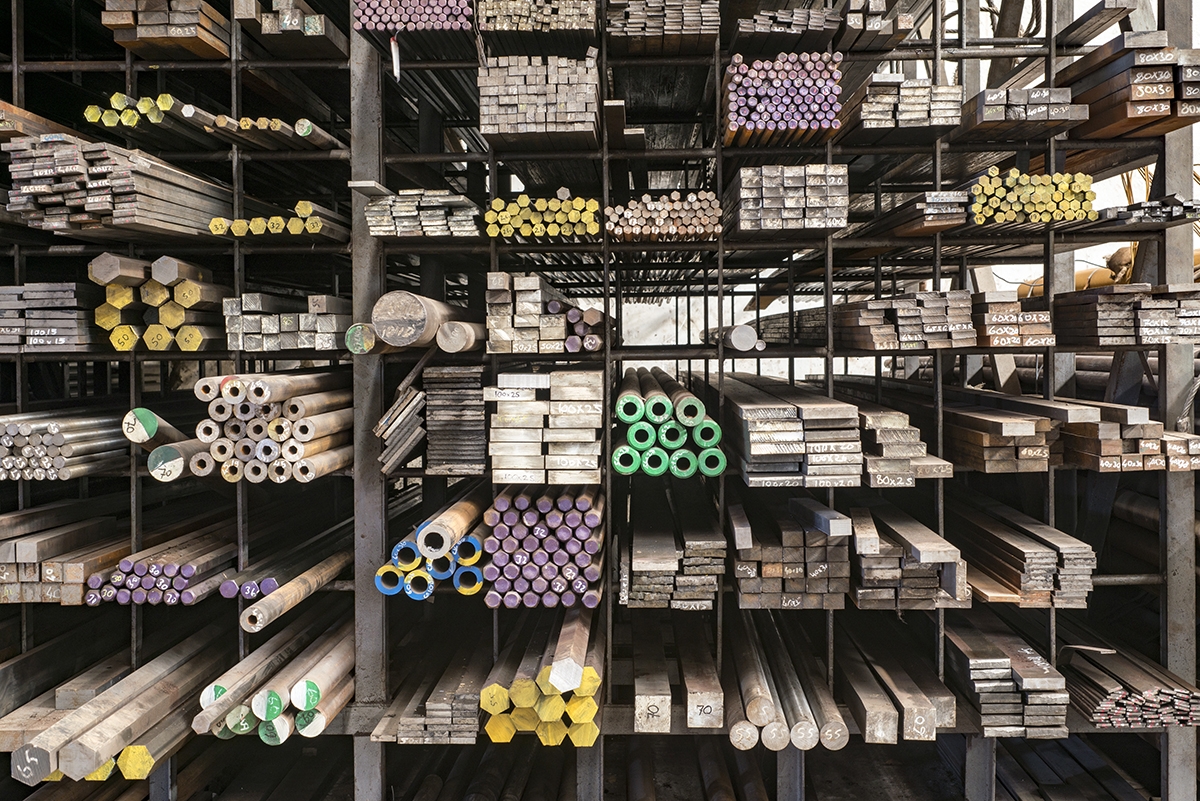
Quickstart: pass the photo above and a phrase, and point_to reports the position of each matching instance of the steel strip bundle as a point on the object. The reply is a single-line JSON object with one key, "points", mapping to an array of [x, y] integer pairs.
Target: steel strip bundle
{"points": [[774, 200], [793, 30], [258, 321], [540, 103], [545, 427], [49, 318], [525, 314], [545, 547], [1126, 314], [1018, 114], [181, 29], [663, 27], [418, 212], [16, 122], [892, 107], [789, 100], [1001, 320], [547, 680], [535, 27]]}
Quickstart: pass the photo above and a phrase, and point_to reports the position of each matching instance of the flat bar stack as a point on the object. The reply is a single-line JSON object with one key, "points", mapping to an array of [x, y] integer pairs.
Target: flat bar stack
{"points": [[535, 27], [291, 29], [58, 318], [663, 27], [799, 556], [899, 563], [1031, 200], [775, 689], [421, 27], [540, 102], [63, 183], [1018, 114], [258, 321], [421, 213], [437, 700], [401, 428], [1115, 687], [1125, 440], [926, 214], [280, 426], [180, 29], [545, 428], [545, 547], [677, 550], [1128, 314], [547, 681], [667, 428], [541, 219], [310, 221], [88, 442], [891, 106], [162, 305], [756, 112], [892, 693], [444, 547], [776, 201], [784, 436], [16, 121], [694, 217], [1002, 321], [792, 30], [454, 421], [525, 314], [893, 453], [914, 321]]}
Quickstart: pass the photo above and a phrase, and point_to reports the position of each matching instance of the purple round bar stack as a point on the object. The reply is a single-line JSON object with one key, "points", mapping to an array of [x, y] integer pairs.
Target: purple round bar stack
{"points": [[545, 547]]}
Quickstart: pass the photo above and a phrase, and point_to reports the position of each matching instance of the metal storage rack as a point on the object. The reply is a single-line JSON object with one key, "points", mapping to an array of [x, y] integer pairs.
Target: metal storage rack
{"points": [[1166, 258]]}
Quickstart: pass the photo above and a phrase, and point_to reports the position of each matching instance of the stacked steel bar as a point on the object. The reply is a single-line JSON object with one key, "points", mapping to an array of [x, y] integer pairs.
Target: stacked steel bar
{"points": [[540, 103], [454, 421], [401, 428], [793, 30], [783, 436], [274, 425], [894, 455], [797, 557], [546, 427], [257, 321], [1015, 690], [926, 214], [788, 100], [525, 314], [1001, 321], [696, 681], [58, 318], [533, 27], [545, 546], [311, 220], [667, 428], [1017, 197], [776, 201], [291, 29], [62, 444], [133, 193], [1126, 314], [539, 219], [16, 121], [421, 212], [663, 27], [547, 680], [890, 106], [677, 555], [421, 27], [898, 563], [165, 304], [775, 689], [1018, 114], [445, 547], [694, 217], [178, 29]]}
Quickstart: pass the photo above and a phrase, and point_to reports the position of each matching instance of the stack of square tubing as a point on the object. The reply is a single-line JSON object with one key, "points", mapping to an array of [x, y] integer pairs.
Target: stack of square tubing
{"points": [[545, 546], [659, 413]]}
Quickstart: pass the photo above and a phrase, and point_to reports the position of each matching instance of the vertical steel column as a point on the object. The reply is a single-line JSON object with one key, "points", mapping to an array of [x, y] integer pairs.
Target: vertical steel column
{"points": [[370, 488], [1177, 491]]}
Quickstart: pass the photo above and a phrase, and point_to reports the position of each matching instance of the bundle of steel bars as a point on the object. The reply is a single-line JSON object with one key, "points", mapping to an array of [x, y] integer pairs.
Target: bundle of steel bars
{"points": [[455, 421], [1001, 320], [545, 427], [1017, 197], [545, 546], [273, 425], [311, 220], [694, 217], [547, 680], [792, 30], [16, 121], [445, 547], [540, 103], [525, 314], [667, 428], [291, 29], [138, 194], [180, 29], [425, 28], [420, 212], [1126, 314], [663, 27], [759, 112], [163, 305], [892, 107], [61, 444], [534, 27], [1018, 114], [677, 552], [776, 201], [51, 318], [258, 321], [542, 218], [401, 428]]}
